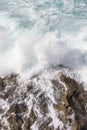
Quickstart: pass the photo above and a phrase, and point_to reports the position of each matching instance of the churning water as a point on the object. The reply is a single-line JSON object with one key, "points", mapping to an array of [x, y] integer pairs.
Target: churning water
{"points": [[38, 33]]}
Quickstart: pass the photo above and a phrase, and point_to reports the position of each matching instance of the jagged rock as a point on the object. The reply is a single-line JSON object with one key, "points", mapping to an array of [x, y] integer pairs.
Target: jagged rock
{"points": [[76, 99], [25, 105]]}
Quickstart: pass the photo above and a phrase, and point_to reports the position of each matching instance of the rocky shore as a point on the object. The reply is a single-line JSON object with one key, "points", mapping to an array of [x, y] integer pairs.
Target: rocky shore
{"points": [[51, 101]]}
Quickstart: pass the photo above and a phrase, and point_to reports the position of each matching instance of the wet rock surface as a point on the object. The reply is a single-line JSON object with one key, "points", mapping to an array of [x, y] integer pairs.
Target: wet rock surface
{"points": [[76, 99], [55, 102]]}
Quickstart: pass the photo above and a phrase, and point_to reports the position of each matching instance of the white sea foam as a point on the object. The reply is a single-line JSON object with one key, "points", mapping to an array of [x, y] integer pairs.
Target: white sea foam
{"points": [[49, 41]]}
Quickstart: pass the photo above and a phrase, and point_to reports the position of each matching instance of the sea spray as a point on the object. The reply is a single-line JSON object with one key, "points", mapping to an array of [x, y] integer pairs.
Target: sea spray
{"points": [[38, 34]]}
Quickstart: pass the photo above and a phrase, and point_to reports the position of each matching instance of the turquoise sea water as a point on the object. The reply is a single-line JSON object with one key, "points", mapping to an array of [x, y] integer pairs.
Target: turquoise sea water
{"points": [[54, 13]]}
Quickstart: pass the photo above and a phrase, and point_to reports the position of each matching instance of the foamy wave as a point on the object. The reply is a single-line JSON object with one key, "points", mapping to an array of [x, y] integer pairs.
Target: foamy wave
{"points": [[37, 35]]}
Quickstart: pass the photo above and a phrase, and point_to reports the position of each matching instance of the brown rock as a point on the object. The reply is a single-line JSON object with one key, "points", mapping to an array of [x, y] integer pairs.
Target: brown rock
{"points": [[17, 108], [76, 99], [2, 84]]}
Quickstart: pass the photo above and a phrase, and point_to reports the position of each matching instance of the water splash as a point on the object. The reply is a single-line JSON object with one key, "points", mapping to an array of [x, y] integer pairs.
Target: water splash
{"points": [[34, 35]]}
